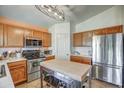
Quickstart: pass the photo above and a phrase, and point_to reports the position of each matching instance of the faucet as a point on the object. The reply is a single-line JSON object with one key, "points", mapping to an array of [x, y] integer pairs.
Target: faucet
{"points": [[76, 52]]}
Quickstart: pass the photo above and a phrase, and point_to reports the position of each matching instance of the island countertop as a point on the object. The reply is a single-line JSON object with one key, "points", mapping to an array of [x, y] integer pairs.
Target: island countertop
{"points": [[74, 70]]}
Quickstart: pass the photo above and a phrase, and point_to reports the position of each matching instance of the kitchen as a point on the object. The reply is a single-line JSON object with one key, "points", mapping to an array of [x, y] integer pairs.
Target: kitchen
{"points": [[78, 51]]}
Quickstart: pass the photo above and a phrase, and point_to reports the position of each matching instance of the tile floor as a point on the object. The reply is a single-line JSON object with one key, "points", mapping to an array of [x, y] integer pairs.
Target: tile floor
{"points": [[95, 84]]}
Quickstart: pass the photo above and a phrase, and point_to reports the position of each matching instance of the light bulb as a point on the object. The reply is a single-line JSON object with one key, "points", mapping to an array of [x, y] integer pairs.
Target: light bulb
{"points": [[55, 13], [49, 10], [60, 17]]}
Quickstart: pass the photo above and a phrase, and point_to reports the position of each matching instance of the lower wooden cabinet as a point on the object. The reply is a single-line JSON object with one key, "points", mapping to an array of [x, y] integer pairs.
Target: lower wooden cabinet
{"points": [[80, 59], [50, 57], [18, 71]]}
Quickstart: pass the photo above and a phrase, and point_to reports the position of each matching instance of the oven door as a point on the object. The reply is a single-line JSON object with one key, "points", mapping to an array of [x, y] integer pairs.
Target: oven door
{"points": [[33, 66]]}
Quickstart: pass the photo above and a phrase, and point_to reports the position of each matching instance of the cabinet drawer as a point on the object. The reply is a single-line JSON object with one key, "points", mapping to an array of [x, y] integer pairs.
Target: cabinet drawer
{"points": [[17, 63], [75, 58], [80, 59], [50, 57]]}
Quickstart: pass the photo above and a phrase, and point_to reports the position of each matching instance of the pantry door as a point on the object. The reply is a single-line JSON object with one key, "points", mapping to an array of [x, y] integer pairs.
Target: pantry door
{"points": [[63, 46]]}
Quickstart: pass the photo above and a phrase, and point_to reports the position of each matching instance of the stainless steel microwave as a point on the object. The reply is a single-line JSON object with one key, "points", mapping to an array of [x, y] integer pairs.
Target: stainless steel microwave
{"points": [[33, 42]]}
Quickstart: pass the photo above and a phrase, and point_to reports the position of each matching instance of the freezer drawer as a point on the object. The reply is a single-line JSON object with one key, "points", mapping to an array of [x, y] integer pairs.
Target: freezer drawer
{"points": [[109, 74]]}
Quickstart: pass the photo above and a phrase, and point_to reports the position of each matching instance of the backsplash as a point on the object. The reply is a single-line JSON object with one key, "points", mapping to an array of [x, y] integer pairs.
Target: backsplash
{"points": [[17, 49], [84, 51]]}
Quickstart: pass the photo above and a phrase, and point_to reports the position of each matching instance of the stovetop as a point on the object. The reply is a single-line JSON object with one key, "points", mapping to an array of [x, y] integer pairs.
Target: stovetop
{"points": [[30, 58], [32, 54]]}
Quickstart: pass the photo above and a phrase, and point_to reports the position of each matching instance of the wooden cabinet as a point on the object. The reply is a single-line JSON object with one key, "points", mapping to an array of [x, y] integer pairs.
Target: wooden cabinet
{"points": [[109, 30], [75, 58], [87, 39], [28, 33], [82, 39], [18, 71], [50, 57], [37, 34], [80, 59], [77, 40], [46, 39], [1, 35], [13, 36]]}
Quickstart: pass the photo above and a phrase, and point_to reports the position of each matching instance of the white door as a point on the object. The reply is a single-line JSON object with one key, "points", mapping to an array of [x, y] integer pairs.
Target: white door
{"points": [[63, 46]]}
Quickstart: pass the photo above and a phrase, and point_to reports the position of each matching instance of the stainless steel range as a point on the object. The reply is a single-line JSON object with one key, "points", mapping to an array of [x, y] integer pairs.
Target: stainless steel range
{"points": [[33, 64]]}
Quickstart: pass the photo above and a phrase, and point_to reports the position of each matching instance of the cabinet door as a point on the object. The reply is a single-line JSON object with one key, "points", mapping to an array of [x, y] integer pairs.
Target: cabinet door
{"points": [[75, 59], [28, 33], [13, 36], [50, 57], [37, 34], [46, 39], [1, 35], [87, 39], [77, 40], [18, 74], [18, 71]]}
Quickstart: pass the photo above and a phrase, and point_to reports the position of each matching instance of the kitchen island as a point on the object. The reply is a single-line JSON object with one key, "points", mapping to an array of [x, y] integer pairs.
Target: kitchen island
{"points": [[67, 71]]}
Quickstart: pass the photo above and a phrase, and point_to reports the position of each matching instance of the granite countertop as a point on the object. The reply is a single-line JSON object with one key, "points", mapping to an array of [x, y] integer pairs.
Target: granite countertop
{"points": [[74, 70], [6, 82]]}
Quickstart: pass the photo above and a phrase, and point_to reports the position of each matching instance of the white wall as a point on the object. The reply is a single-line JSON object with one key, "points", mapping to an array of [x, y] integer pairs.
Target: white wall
{"points": [[110, 17], [56, 29]]}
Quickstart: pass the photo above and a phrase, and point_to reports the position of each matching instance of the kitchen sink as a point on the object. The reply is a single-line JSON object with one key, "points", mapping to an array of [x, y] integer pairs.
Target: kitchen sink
{"points": [[2, 71]]}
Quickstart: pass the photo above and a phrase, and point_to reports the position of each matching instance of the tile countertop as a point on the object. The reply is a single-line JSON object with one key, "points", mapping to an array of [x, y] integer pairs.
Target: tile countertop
{"points": [[6, 82], [71, 69]]}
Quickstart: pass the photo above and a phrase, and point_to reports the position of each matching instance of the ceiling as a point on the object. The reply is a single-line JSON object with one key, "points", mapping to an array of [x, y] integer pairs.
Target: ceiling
{"points": [[29, 14]]}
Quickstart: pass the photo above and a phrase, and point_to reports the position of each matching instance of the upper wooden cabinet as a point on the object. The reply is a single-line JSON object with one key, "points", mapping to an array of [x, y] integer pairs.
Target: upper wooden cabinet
{"points": [[1, 35], [46, 39], [77, 40], [28, 33], [109, 30], [37, 34], [13, 36], [87, 38], [82, 39]]}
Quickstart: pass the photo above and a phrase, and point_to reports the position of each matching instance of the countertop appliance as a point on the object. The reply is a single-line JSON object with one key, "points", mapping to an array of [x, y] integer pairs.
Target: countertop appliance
{"points": [[33, 42], [33, 64], [108, 58]]}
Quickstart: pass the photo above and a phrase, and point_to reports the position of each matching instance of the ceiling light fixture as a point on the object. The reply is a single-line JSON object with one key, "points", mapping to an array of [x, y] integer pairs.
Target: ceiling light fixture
{"points": [[52, 11]]}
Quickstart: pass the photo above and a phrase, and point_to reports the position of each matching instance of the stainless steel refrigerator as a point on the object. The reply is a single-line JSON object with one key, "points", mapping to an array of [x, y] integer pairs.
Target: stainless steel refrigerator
{"points": [[108, 58]]}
